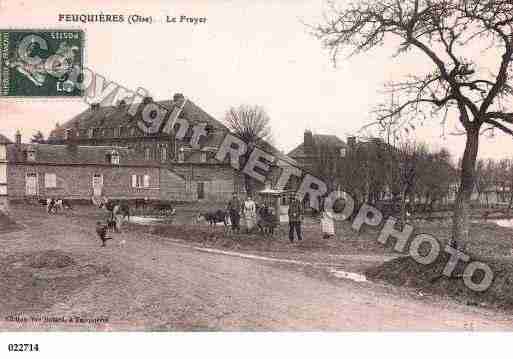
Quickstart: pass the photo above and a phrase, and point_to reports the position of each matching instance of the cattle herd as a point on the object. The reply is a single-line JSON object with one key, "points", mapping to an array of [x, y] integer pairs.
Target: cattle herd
{"points": [[266, 221]]}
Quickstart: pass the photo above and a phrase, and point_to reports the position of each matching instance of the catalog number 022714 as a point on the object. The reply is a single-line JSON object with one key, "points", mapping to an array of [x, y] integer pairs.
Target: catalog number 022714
{"points": [[23, 347]]}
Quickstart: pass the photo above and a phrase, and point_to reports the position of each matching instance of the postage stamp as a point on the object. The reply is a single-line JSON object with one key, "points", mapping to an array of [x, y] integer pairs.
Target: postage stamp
{"points": [[40, 63]]}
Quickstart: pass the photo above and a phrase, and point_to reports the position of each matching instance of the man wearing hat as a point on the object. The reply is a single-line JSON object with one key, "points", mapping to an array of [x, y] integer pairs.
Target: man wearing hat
{"points": [[295, 217], [233, 208]]}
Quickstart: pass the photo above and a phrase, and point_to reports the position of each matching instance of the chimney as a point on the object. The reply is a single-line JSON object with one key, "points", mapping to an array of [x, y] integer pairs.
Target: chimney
{"points": [[76, 128], [18, 138], [70, 136], [308, 142], [351, 141], [178, 97]]}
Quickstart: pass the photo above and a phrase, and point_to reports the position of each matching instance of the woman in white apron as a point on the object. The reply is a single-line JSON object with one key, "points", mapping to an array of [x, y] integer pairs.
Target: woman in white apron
{"points": [[250, 214]]}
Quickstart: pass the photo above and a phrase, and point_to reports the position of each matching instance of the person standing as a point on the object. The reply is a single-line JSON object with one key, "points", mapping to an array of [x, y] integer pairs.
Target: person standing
{"points": [[101, 230], [250, 213], [295, 217], [233, 208], [117, 216]]}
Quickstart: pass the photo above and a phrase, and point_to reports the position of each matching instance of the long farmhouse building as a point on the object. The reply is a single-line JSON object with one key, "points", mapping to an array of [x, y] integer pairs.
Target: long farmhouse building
{"points": [[103, 152]]}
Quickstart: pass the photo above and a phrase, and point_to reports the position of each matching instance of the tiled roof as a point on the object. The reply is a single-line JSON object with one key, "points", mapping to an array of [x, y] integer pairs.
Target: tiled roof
{"points": [[117, 116], [4, 140], [266, 146], [75, 155], [327, 140]]}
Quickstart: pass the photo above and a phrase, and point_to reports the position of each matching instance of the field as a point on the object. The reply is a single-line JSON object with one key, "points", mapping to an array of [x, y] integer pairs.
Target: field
{"points": [[163, 277]]}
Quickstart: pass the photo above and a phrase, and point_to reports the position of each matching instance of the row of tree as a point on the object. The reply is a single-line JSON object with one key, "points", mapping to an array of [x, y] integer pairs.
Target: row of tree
{"points": [[494, 181], [375, 171], [456, 37]]}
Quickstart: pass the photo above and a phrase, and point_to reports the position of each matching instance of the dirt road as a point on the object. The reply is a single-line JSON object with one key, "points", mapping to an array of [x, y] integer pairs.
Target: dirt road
{"points": [[150, 283]]}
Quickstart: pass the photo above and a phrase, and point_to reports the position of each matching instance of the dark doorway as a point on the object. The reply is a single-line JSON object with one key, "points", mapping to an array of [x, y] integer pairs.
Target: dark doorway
{"points": [[201, 190]]}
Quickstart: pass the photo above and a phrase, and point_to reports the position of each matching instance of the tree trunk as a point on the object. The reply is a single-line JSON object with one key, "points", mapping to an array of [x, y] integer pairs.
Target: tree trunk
{"points": [[461, 216], [403, 208], [248, 185], [510, 198]]}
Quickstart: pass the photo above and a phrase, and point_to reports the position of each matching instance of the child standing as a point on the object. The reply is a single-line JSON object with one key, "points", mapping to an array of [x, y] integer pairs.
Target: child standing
{"points": [[101, 230]]}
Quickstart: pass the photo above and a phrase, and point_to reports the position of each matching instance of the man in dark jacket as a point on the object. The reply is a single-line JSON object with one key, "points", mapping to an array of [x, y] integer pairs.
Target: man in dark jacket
{"points": [[295, 217], [234, 207], [101, 230]]}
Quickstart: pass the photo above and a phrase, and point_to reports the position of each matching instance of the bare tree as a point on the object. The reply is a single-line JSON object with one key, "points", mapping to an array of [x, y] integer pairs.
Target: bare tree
{"points": [[251, 124], [449, 33], [435, 175], [38, 137], [326, 164], [408, 163]]}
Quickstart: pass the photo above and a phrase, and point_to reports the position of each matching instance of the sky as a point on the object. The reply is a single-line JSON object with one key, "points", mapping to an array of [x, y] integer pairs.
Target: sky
{"points": [[247, 52]]}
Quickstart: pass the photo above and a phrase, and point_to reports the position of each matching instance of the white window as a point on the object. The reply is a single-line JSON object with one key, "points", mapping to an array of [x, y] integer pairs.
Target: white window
{"points": [[114, 158], [117, 131], [163, 154], [147, 153], [97, 185], [342, 152], [181, 156], [203, 157], [90, 132], [3, 173], [50, 180], [140, 181]]}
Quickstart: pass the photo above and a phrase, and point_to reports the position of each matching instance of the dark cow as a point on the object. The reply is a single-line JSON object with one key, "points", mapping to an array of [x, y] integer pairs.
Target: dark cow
{"points": [[165, 209], [53, 205], [214, 217]]}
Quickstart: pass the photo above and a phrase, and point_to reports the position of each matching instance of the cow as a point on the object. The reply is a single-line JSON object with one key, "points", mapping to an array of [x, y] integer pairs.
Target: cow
{"points": [[165, 209], [214, 217], [54, 205]]}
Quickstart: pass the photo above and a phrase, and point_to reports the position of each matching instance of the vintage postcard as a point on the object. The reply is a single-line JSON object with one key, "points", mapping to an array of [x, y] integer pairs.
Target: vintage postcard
{"points": [[255, 166]]}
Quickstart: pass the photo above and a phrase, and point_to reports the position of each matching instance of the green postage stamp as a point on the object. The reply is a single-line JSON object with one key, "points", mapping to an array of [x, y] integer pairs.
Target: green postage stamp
{"points": [[41, 63]]}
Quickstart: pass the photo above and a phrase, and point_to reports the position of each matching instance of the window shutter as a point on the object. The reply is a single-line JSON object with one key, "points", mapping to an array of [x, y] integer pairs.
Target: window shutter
{"points": [[134, 181], [146, 181]]}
